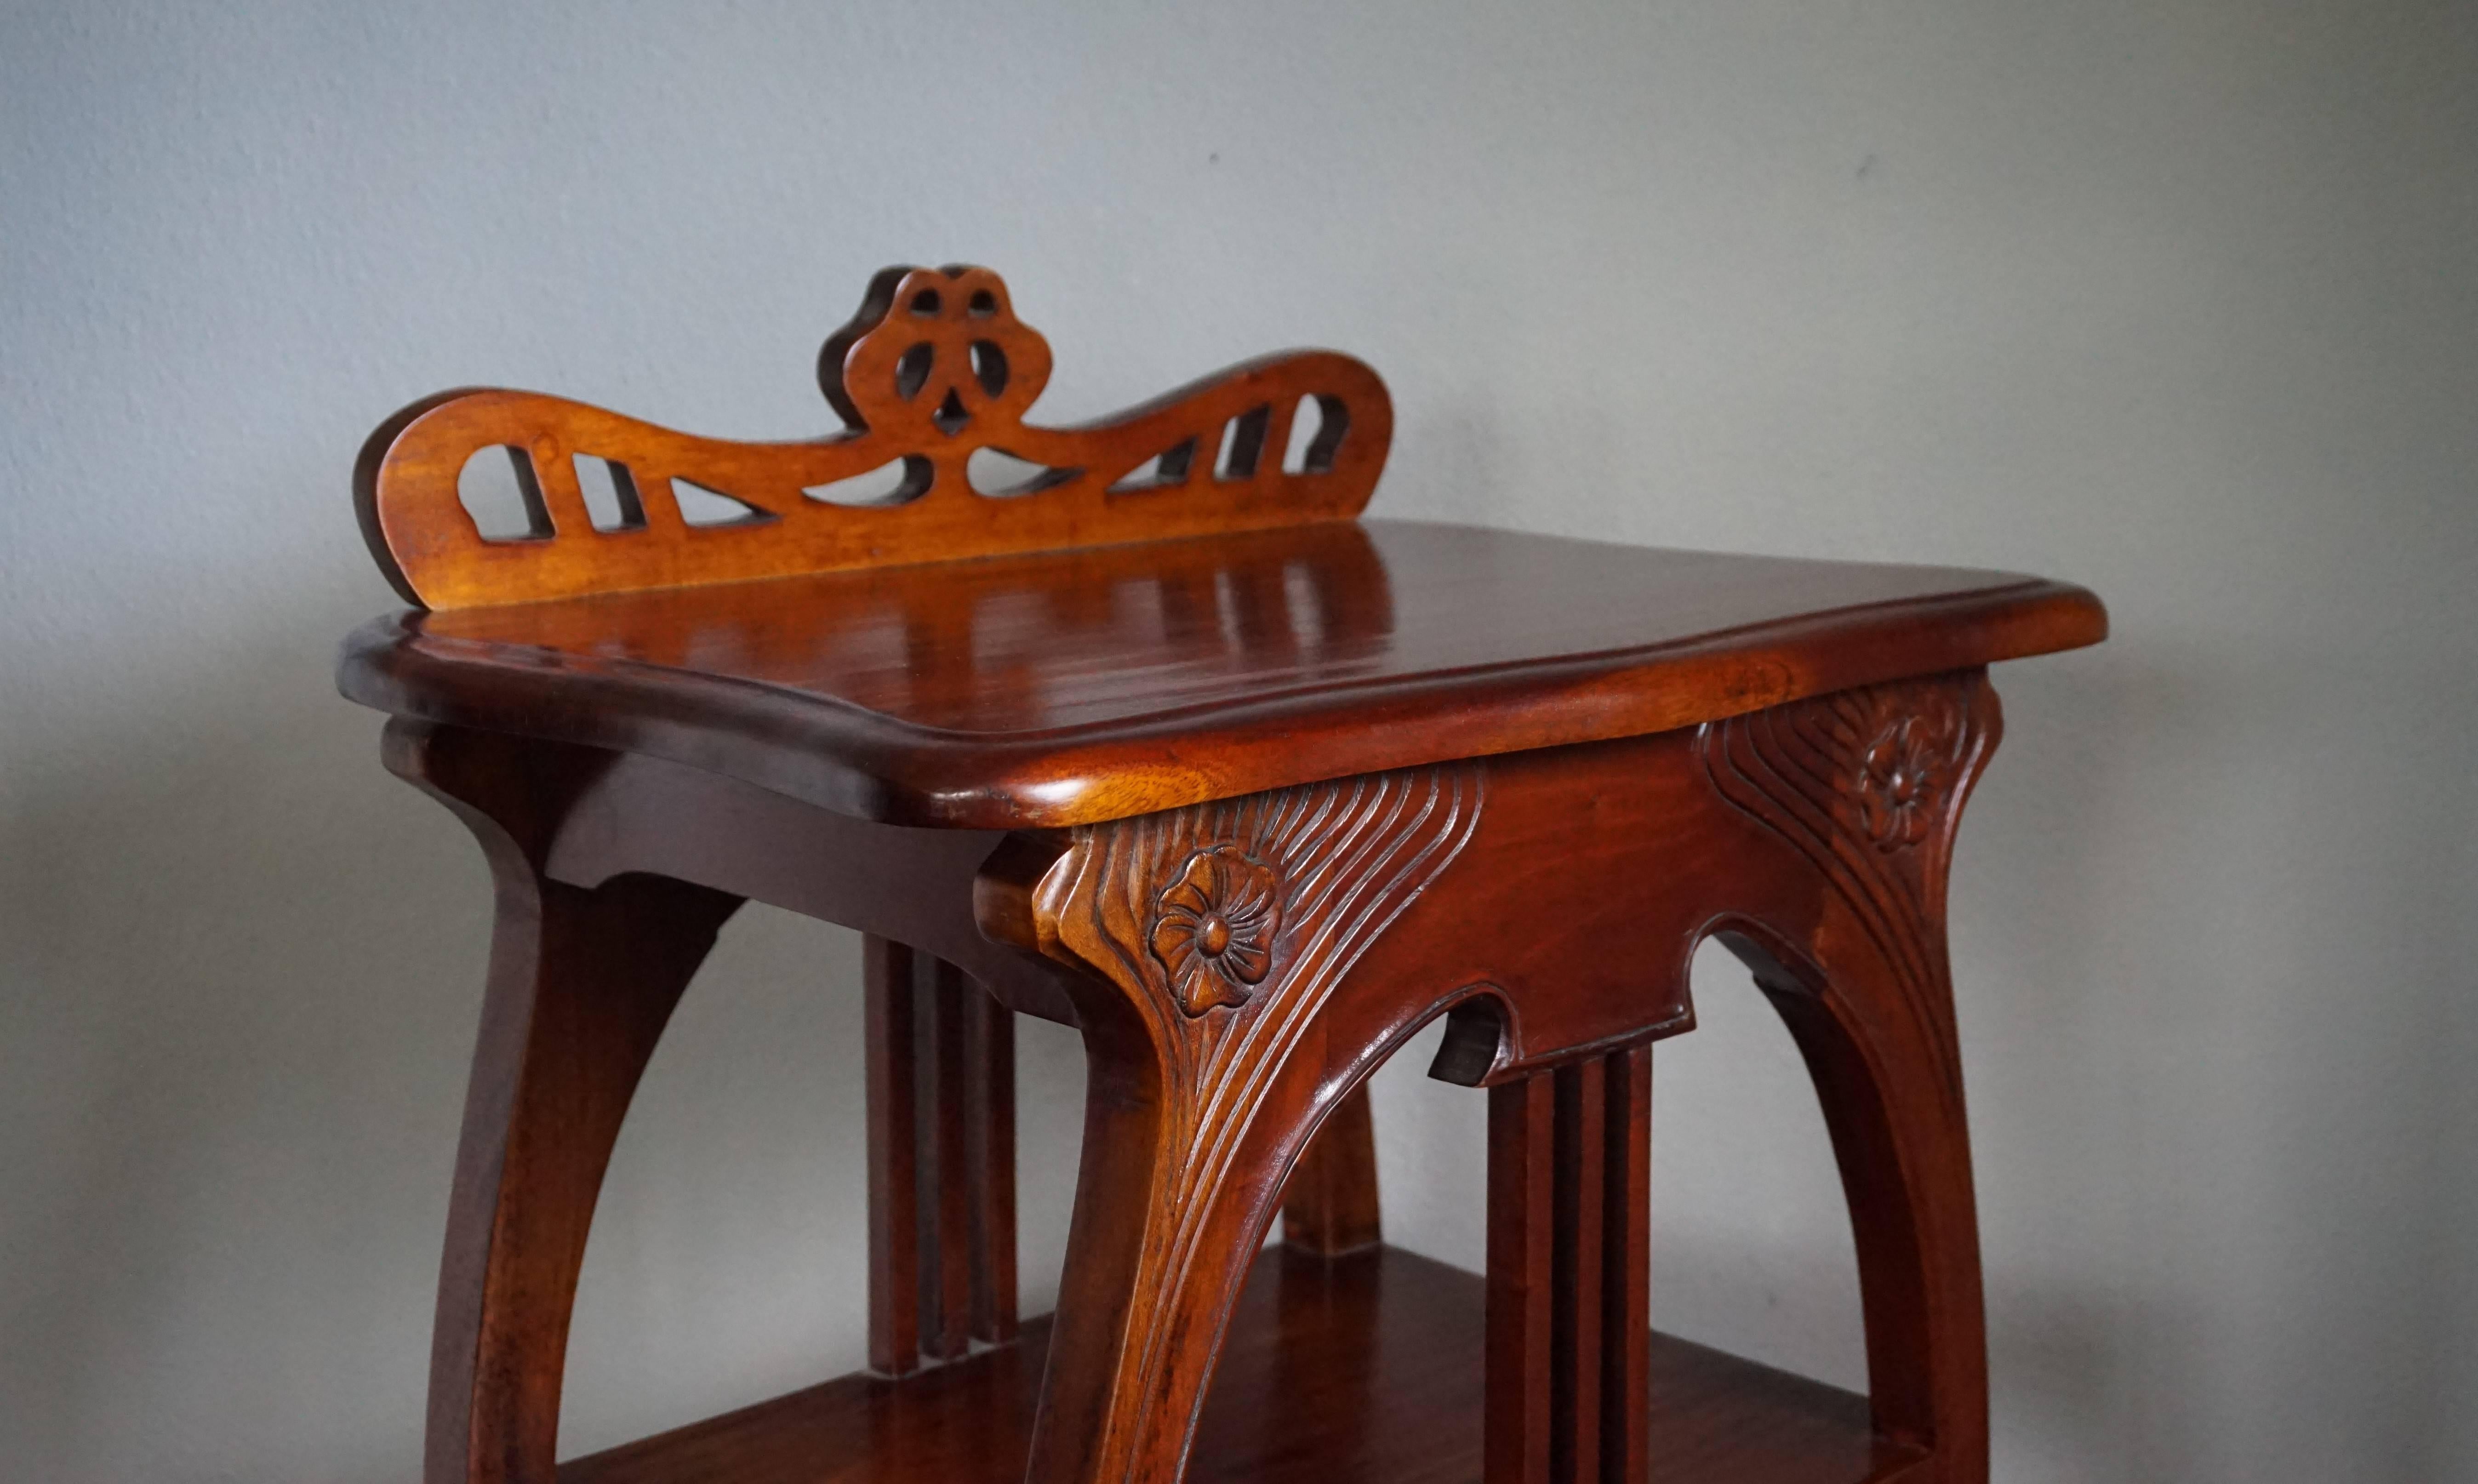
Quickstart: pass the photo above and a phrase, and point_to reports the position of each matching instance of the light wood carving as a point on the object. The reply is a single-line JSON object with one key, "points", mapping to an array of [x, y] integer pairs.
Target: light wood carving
{"points": [[934, 370]]}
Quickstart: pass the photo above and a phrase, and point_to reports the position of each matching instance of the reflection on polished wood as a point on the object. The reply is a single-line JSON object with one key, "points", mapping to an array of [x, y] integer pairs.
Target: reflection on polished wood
{"points": [[1249, 792], [1369, 1366], [1086, 685]]}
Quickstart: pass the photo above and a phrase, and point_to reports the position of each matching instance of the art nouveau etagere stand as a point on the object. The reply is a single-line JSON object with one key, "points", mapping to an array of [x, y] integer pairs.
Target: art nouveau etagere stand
{"points": [[1161, 741]]}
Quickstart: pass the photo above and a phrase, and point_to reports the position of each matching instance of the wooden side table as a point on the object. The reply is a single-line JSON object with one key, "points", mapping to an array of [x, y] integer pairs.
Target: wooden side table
{"points": [[1162, 742]]}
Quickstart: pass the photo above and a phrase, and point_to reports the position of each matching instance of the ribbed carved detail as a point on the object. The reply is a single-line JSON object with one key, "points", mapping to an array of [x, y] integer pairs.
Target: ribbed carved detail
{"points": [[1288, 886], [1868, 785]]}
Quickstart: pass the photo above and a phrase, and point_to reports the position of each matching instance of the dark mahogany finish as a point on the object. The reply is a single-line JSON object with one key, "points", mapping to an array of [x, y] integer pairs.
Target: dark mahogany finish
{"points": [[941, 1072], [1370, 1365], [1329, 1206], [1570, 1176], [1247, 805], [1092, 685]]}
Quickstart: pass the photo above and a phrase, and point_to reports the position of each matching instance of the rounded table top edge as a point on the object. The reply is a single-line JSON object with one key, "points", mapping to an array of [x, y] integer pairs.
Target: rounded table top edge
{"points": [[843, 756]]}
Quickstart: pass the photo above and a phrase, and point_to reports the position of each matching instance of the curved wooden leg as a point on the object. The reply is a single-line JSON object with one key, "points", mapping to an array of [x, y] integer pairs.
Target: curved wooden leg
{"points": [[1901, 1138], [1207, 944], [1330, 1207], [581, 984], [1175, 1196], [1869, 786]]}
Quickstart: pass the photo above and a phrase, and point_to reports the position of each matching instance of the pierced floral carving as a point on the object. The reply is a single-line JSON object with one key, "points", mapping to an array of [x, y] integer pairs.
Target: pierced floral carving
{"points": [[1214, 927]]}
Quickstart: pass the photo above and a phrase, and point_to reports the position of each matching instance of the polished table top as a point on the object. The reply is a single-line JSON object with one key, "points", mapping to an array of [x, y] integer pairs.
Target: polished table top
{"points": [[1078, 686]]}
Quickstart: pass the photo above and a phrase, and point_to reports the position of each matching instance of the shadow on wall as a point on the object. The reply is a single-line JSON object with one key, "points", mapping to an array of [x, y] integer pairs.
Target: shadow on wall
{"points": [[236, 948], [729, 1257], [247, 969], [2069, 1360], [248, 965], [1751, 1235]]}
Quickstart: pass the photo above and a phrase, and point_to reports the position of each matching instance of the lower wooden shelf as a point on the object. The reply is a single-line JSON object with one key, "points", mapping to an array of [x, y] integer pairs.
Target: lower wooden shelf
{"points": [[1362, 1369]]}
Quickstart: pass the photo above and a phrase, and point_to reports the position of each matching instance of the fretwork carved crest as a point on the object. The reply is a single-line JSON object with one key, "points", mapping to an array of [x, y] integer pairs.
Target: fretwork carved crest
{"points": [[933, 379], [932, 352]]}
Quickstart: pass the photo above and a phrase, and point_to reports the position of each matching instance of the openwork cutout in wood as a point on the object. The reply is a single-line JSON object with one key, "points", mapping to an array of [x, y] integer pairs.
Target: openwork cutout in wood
{"points": [[933, 370]]}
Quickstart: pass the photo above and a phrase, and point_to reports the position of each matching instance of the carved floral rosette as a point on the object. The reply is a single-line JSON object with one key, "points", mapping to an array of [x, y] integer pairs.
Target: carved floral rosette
{"points": [[1213, 929], [1226, 927], [1869, 784]]}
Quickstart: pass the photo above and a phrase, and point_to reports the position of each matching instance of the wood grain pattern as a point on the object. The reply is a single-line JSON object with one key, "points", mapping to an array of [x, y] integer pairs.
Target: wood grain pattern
{"points": [[1330, 1207], [581, 984], [1211, 937], [989, 1111], [1569, 1216], [1562, 919], [1364, 1370], [1626, 1386], [892, 1071], [946, 1227], [1188, 758], [940, 1079], [1869, 787], [1522, 1297], [934, 369], [1073, 688], [1869, 784]]}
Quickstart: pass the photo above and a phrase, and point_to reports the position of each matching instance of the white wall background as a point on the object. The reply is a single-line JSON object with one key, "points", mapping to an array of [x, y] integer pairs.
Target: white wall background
{"points": [[2177, 299]]}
